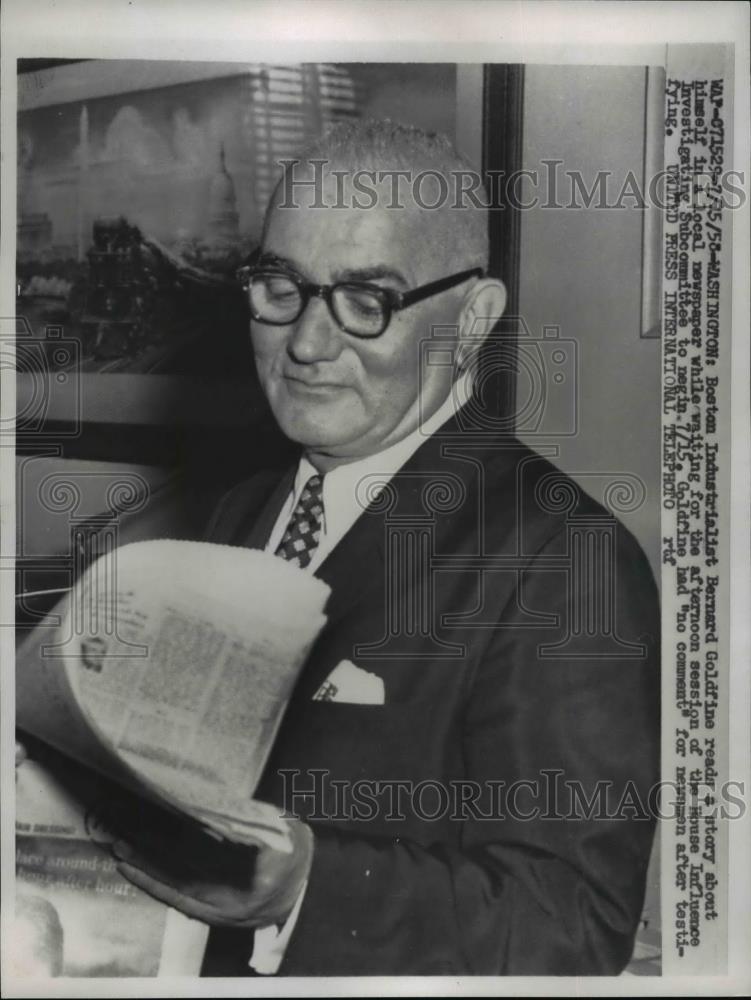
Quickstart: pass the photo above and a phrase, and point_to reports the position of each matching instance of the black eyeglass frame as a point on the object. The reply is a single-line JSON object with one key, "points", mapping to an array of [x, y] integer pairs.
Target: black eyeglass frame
{"points": [[390, 299]]}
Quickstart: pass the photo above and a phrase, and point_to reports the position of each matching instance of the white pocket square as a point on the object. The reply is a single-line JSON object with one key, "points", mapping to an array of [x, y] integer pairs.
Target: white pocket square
{"points": [[350, 683]]}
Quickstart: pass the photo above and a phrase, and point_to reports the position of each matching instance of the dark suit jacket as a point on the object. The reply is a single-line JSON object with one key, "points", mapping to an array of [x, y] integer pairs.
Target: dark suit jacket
{"points": [[515, 625]]}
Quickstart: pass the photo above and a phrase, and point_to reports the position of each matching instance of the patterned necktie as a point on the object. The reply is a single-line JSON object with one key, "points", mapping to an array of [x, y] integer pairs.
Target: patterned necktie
{"points": [[300, 540]]}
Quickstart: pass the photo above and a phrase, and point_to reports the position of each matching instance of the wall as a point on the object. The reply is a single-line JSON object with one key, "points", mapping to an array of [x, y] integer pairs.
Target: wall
{"points": [[581, 271]]}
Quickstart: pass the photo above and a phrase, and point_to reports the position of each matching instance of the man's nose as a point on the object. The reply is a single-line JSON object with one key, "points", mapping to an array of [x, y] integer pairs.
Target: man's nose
{"points": [[315, 336]]}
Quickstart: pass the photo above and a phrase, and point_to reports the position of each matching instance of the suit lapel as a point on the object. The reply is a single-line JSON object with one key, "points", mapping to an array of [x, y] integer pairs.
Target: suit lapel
{"points": [[355, 564], [358, 563], [260, 517]]}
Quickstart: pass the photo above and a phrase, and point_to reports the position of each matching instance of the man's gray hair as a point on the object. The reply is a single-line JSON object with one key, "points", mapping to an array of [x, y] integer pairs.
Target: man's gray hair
{"points": [[457, 230]]}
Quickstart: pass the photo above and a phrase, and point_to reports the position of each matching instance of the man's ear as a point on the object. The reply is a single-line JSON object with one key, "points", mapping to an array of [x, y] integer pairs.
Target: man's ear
{"points": [[482, 308]]}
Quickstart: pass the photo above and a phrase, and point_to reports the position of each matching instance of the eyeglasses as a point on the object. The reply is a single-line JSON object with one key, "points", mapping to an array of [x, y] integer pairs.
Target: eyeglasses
{"points": [[278, 296]]}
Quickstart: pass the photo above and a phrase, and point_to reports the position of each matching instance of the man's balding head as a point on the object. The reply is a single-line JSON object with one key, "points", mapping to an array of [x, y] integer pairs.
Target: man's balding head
{"points": [[381, 164]]}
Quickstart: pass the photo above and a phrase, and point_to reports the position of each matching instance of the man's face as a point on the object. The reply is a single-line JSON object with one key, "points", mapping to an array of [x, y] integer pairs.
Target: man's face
{"points": [[340, 396]]}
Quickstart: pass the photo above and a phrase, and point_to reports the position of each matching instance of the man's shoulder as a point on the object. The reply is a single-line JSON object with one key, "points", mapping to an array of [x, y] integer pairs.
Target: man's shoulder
{"points": [[549, 503], [241, 504]]}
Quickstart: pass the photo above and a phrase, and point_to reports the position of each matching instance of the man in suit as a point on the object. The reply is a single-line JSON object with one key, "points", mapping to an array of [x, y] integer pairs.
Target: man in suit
{"points": [[467, 757]]}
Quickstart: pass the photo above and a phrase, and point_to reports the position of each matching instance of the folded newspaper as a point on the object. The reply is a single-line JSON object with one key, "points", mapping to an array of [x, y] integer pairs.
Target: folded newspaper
{"points": [[167, 669]]}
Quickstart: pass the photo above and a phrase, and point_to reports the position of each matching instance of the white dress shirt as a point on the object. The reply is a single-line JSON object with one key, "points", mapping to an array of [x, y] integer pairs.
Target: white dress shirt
{"points": [[341, 508]]}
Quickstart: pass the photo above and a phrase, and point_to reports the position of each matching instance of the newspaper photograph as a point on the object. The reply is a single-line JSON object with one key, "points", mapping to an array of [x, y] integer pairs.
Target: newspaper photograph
{"points": [[375, 484]]}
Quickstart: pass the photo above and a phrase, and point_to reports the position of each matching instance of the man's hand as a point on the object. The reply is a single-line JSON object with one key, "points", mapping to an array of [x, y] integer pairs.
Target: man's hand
{"points": [[218, 882]]}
